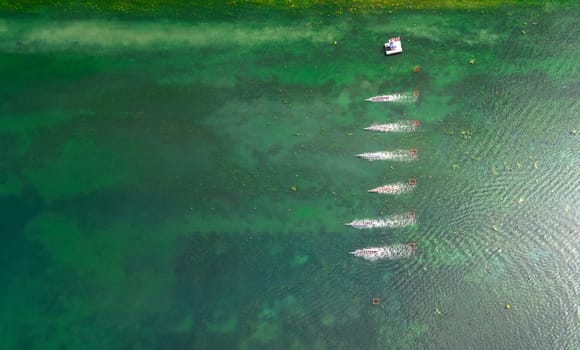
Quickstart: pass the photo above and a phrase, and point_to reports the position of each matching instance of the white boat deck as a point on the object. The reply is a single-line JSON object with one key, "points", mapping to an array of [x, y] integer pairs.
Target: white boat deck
{"points": [[393, 46]]}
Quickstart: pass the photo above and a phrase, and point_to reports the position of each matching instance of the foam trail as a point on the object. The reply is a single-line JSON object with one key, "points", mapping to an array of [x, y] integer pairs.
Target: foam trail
{"points": [[404, 97], [396, 188], [396, 221], [392, 252], [400, 126], [399, 155]]}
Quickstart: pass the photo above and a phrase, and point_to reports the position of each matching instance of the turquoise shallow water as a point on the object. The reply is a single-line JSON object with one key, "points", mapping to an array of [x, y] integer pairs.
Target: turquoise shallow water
{"points": [[148, 166]]}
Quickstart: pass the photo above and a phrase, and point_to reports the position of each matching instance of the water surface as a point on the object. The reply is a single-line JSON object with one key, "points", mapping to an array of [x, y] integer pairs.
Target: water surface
{"points": [[181, 183]]}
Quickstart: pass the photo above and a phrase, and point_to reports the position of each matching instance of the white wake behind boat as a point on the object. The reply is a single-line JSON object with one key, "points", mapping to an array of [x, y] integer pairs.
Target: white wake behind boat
{"points": [[397, 155], [405, 97], [385, 98], [400, 126], [396, 188], [394, 251], [396, 221]]}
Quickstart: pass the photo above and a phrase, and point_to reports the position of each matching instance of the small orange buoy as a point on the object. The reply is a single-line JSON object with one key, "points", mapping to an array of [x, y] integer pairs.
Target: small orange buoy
{"points": [[376, 301], [416, 69]]}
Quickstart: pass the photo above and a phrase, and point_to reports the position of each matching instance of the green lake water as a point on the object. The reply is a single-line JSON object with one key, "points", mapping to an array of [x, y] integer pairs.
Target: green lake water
{"points": [[183, 182]]}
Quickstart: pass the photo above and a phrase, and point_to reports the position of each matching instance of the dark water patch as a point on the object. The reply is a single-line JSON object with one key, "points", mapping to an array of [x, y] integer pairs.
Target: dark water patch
{"points": [[17, 253], [277, 289]]}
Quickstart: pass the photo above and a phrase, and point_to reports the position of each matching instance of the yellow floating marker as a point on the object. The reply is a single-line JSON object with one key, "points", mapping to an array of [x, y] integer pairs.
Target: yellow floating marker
{"points": [[334, 42], [471, 60], [293, 188], [508, 306]]}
